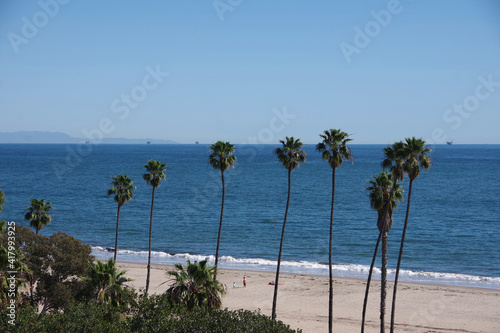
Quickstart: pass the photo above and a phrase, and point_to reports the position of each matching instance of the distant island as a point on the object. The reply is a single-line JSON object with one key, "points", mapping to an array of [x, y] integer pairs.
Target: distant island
{"points": [[59, 137]]}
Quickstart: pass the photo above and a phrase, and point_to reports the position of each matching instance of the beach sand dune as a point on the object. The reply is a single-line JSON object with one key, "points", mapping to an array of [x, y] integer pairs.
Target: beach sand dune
{"points": [[303, 301]]}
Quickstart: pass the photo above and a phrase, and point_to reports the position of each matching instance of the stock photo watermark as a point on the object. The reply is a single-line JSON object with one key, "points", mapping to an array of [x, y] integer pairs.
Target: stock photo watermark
{"points": [[30, 26], [223, 6], [121, 108], [11, 273], [371, 30], [455, 115]]}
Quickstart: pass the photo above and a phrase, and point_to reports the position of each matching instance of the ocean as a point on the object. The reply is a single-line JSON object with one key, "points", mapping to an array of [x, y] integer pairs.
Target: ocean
{"points": [[453, 235]]}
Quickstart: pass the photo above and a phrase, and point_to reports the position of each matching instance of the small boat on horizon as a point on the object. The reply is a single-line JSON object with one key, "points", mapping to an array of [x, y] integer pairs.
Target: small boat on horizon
{"points": [[148, 143], [449, 143]]}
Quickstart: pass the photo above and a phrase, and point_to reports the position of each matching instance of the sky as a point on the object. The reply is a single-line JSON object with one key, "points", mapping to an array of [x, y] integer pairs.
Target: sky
{"points": [[252, 71]]}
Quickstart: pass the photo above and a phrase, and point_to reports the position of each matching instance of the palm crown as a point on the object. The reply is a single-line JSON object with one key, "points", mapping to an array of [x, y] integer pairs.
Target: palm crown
{"points": [[394, 158], [290, 153], [379, 191], [222, 157], [334, 148], [106, 281], [38, 213], [416, 157], [195, 285], [123, 188], [154, 173]]}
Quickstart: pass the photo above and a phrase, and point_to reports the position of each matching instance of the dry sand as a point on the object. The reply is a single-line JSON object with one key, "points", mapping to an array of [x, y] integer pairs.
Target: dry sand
{"points": [[303, 301]]}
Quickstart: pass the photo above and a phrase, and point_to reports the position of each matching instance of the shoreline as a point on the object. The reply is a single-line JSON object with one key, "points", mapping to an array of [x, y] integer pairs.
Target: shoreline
{"points": [[303, 301], [356, 271]]}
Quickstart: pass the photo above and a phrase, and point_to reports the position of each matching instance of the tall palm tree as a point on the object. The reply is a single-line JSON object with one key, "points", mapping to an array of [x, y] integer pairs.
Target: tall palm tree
{"points": [[106, 282], [221, 158], [290, 155], [394, 157], [416, 157], [195, 286], [333, 149], [38, 213], [123, 189], [380, 189], [153, 176]]}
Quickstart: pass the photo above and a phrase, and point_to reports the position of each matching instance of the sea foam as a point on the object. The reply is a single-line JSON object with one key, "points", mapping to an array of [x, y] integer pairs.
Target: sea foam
{"points": [[299, 267]]}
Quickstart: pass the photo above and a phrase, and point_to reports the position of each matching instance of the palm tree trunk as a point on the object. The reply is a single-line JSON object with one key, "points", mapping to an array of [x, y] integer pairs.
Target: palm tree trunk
{"points": [[330, 297], [367, 291], [393, 310], [150, 234], [116, 238], [276, 280], [383, 289], [220, 225]]}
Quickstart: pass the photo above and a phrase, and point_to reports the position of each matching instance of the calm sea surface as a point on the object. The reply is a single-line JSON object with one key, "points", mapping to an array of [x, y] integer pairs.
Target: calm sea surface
{"points": [[453, 235]]}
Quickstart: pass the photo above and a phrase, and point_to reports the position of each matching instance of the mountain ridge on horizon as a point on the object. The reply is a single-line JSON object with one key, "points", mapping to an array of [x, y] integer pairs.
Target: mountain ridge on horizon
{"points": [[60, 137]]}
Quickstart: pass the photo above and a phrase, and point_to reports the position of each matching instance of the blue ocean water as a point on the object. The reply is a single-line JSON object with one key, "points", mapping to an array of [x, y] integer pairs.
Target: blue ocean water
{"points": [[453, 235]]}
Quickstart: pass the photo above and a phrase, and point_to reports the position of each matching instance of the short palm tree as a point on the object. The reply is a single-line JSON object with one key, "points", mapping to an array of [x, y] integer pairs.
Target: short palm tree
{"points": [[122, 188], [290, 155], [379, 190], [195, 286], [107, 282], [221, 158], [394, 157], [333, 149], [38, 213], [153, 176], [416, 157]]}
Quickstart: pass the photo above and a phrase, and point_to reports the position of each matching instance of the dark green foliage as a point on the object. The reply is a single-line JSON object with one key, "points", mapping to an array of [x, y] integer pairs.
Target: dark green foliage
{"points": [[106, 284], [158, 314], [195, 286], [55, 266], [83, 317], [150, 314]]}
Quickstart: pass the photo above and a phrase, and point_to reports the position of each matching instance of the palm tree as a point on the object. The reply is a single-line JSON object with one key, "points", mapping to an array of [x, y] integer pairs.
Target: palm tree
{"points": [[290, 155], [153, 176], [416, 158], [38, 213], [123, 189], [106, 282], [333, 149], [196, 286], [380, 189], [394, 157], [221, 158]]}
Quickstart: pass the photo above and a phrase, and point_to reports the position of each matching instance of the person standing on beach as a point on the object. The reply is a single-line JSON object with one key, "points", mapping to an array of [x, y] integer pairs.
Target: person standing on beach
{"points": [[244, 282]]}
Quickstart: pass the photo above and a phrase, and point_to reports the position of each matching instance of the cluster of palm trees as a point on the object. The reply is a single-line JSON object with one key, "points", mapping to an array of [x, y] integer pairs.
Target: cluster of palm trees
{"points": [[385, 191], [402, 157]]}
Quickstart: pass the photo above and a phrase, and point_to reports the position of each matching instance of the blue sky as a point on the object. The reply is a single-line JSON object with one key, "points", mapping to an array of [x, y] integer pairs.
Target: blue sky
{"points": [[252, 70]]}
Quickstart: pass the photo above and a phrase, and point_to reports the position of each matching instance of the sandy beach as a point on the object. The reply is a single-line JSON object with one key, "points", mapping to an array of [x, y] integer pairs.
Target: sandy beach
{"points": [[303, 301]]}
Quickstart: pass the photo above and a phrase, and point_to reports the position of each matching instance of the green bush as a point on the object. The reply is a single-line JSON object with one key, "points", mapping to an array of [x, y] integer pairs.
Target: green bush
{"points": [[150, 314]]}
